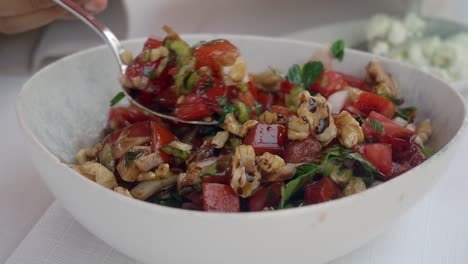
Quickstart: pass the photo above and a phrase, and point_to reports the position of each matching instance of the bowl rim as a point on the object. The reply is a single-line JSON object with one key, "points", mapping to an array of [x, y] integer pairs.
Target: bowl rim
{"points": [[160, 209]]}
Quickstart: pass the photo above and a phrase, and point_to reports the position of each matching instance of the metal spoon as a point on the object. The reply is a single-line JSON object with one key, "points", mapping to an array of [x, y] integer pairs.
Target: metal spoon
{"points": [[114, 44]]}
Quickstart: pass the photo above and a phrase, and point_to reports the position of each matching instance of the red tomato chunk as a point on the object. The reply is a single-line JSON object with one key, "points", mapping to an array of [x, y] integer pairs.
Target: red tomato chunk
{"points": [[329, 83], [390, 128], [299, 151], [220, 198], [267, 138], [321, 191], [380, 155], [368, 102], [269, 196]]}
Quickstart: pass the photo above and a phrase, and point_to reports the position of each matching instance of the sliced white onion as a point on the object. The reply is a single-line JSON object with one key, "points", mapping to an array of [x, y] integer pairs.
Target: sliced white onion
{"points": [[402, 122], [180, 145], [411, 127], [338, 100]]}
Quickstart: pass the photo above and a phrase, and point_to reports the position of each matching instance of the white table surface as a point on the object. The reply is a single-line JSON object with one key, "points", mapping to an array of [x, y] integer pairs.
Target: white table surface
{"points": [[436, 227]]}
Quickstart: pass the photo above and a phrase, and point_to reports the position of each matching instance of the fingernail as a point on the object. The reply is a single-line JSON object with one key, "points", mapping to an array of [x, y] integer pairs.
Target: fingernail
{"points": [[95, 6]]}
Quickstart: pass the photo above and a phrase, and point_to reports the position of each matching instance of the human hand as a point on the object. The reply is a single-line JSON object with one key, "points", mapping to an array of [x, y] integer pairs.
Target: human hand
{"points": [[18, 16]]}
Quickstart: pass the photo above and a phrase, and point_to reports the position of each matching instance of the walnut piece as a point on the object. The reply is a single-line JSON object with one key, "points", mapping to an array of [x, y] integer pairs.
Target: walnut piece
{"points": [[271, 118], [424, 130], [270, 163], [316, 111], [86, 154], [349, 131], [298, 128], [381, 82], [245, 176], [234, 127], [123, 191], [355, 185], [98, 173], [220, 139]]}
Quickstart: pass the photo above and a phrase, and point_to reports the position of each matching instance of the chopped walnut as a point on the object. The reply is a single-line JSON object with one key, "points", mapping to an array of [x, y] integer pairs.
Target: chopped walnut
{"points": [[245, 176], [123, 191], [128, 172], [381, 82], [268, 79], [86, 154], [238, 70], [233, 126], [424, 130], [284, 173], [298, 128], [220, 139], [354, 93], [271, 118], [355, 185], [98, 173], [349, 131], [160, 173], [316, 111], [270, 163]]}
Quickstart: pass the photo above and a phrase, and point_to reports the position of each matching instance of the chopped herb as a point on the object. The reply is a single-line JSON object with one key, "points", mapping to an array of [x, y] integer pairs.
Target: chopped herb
{"points": [[428, 151], [311, 72], [377, 126], [222, 100], [228, 108], [270, 195], [149, 72], [304, 173], [210, 170], [405, 111], [295, 74], [129, 157], [175, 152], [305, 77], [106, 158], [258, 108], [117, 98], [338, 49]]}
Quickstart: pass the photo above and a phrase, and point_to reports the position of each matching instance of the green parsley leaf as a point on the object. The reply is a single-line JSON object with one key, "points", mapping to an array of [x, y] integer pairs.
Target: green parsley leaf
{"points": [[117, 98], [311, 72], [222, 100], [228, 108], [304, 173], [428, 151], [378, 127], [258, 108], [295, 74], [338, 48], [129, 157]]}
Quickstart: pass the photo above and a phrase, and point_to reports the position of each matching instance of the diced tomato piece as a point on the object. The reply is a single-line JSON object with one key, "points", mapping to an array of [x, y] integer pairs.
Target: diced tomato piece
{"points": [[397, 169], [211, 95], [195, 197], [390, 129], [267, 138], [269, 196], [166, 98], [247, 98], [193, 107], [329, 83], [368, 102], [220, 198], [141, 129], [321, 191], [266, 100], [281, 110], [214, 54], [121, 117], [413, 156], [161, 137], [354, 81], [286, 87], [379, 154], [152, 43], [253, 89], [299, 151]]}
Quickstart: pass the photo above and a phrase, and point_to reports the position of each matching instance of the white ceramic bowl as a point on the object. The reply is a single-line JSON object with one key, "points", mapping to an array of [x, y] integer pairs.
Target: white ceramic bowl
{"points": [[64, 107]]}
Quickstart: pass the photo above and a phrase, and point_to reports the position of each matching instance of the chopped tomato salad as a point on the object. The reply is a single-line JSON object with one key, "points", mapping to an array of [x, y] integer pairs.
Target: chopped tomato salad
{"points": [[283, 139]]}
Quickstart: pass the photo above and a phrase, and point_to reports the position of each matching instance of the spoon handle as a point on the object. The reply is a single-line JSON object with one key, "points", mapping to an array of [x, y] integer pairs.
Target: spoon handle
{"points": [[104, 32]]}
